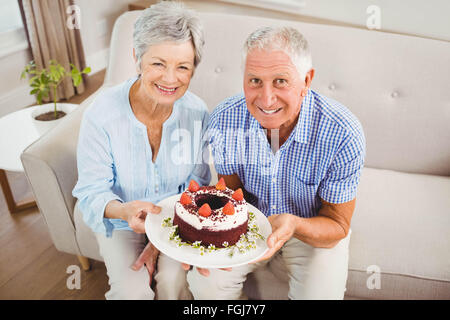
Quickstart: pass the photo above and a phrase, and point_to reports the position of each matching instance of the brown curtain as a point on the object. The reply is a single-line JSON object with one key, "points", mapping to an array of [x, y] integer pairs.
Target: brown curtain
{"points": [[50, 38]]}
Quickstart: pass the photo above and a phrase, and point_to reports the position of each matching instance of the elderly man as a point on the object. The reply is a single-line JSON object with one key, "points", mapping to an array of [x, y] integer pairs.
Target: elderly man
{"points": [[298, 155]]}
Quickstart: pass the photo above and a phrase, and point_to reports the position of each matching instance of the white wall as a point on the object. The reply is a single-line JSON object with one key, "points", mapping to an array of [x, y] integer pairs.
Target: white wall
{"points": [[415, 17], [14, 91], [97, 20]]}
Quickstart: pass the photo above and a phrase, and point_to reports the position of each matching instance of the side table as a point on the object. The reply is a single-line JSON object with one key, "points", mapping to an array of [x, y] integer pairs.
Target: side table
{"points": [[17, 132]]}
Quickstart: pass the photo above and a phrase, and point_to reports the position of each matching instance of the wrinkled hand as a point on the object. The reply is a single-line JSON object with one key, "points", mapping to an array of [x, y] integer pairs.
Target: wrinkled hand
{"points": [[148, 257], [283, 227], [204, 272], [135, 213]]}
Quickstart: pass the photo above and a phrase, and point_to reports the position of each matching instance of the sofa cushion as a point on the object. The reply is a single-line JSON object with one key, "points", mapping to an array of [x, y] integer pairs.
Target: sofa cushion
{"points": [[401, 228]]}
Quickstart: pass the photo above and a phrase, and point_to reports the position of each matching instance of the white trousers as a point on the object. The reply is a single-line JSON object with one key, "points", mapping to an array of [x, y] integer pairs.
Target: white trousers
{"points": [[314, 273], [120, 252]]}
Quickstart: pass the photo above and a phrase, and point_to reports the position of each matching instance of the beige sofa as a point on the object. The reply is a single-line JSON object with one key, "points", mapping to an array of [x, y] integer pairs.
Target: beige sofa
{"points": [[396, 85]]}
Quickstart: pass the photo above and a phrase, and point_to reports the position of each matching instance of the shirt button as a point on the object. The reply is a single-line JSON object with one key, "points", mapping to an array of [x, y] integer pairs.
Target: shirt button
{"points": [[274, 180], [274, 207]]}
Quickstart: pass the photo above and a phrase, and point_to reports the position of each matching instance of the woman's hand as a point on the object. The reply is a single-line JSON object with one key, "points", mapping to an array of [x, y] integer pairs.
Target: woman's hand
{"points": [[134, 212], [283, 228], [148, 257]]}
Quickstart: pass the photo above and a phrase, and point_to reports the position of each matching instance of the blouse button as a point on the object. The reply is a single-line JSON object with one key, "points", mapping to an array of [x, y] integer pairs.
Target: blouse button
{"points": [[218, 70]]}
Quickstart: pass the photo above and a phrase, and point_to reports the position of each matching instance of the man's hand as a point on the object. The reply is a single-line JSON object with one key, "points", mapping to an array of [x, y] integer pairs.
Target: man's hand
{"points": [[204, 272], [148, 257], [135, 213], [283, 228]]}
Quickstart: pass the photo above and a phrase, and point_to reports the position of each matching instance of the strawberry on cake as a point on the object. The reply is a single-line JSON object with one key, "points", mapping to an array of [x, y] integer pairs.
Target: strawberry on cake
{"points": [[214, 215]]}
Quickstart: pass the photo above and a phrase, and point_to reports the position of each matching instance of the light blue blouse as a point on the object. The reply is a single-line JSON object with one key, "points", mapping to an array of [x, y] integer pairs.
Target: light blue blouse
{"points": [[114, 156]]}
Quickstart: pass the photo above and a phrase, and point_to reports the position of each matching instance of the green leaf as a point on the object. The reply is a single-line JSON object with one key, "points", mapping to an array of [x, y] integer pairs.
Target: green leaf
{"points": [[34, 82], [43, 78], [53, 75], [34, 91], [28, 69], [77, 80], [39, 98], [86, 70]]}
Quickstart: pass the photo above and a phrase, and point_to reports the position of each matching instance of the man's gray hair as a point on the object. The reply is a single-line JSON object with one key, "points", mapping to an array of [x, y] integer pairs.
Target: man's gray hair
{"points": [[286, 39], [167, 21]]}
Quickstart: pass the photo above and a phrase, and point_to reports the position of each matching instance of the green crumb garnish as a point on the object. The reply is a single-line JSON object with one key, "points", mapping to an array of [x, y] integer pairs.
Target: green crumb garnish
{"points": [[246, 243]]}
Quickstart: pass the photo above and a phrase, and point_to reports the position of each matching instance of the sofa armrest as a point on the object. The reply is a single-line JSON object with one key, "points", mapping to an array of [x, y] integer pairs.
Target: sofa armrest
{"points": [[50, 165]]}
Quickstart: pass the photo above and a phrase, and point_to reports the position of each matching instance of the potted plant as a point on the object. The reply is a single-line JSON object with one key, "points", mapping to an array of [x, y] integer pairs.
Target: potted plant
{"points": [[46, 80]]}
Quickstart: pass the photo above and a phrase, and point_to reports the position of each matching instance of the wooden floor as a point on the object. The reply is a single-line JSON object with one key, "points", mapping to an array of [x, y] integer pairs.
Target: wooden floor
{"points": [[30, 266]]}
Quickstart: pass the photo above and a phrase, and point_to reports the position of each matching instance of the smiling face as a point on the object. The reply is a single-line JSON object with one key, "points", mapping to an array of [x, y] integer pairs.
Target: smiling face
{"points": [[167, 70], [274, 90]]}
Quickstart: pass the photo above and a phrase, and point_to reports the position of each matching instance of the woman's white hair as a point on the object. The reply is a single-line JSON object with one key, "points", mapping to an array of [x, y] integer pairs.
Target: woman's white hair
{"points": [[167, 21], [286, 39]]}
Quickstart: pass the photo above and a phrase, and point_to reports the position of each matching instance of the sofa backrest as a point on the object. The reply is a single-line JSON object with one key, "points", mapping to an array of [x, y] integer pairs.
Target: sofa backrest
{"points": [[397, 85]]}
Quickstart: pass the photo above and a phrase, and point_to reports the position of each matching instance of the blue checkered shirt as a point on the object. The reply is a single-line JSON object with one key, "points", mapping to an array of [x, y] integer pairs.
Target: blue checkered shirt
{"points": [[321, 159]]}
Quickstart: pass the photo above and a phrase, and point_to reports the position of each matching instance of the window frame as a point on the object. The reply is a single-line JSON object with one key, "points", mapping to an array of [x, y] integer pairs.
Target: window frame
{"points": [[13, 39]]}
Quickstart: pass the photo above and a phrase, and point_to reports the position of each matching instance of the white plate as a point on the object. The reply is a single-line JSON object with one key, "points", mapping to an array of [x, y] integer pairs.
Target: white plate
{"points": [[220, 258]]}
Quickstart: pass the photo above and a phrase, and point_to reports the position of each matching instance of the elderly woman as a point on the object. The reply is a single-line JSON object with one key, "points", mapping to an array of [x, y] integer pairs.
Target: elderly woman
{"points": [[133, 152]]}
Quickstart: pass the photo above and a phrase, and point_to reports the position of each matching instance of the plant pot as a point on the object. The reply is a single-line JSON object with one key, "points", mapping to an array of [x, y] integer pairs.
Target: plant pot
{"points": [[44, 126]]}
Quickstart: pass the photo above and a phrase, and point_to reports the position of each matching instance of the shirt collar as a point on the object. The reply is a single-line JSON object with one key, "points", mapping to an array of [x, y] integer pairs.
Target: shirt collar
{"points": [[304, 119], [254, 124]]}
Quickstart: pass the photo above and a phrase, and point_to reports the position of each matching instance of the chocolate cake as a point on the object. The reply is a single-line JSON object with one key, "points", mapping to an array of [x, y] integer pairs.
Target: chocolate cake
{"points": [[214, 215]]}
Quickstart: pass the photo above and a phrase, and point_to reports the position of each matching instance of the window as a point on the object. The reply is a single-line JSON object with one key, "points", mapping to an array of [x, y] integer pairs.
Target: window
{"points": [[12, 33]]}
